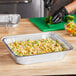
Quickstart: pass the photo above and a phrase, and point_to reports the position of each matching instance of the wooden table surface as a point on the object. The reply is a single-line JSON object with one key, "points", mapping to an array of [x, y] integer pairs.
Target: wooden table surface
{"points": [[8, 67]]}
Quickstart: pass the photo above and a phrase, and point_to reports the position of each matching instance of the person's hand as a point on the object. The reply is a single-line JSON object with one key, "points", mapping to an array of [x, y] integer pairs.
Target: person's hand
{"points": [[58, 16]]}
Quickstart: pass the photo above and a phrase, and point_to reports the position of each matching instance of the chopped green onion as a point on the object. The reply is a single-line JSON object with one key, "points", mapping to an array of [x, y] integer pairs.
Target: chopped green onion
{"points": [[24, 55], [32, 44], [12, 48], [28, 44], [52, 41], [18, 53], [18, 46], [45, 41], [36, 42]]}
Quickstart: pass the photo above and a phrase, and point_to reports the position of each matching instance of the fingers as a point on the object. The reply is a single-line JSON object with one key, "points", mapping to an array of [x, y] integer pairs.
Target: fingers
{"points": [[54, 17], [57, 18]]}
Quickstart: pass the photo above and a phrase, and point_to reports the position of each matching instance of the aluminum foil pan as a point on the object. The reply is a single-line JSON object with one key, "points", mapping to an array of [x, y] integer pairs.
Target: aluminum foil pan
{"points": [[42, 57], [7, 23], [10, 20]]}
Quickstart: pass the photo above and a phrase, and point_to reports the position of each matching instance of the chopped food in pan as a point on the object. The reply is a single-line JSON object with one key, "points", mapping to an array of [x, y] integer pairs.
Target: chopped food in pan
{"points": [[35, 47]]}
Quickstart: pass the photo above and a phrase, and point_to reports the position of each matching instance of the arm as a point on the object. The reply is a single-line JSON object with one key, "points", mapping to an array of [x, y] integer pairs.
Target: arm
{"points": [[58, 16], [71, 7]]}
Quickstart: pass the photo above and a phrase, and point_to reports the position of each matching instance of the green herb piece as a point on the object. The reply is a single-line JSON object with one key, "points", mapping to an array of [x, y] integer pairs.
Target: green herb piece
{"points": [[28, 40], [24, 55], [45, 41], [28, 53], [12, 48], [33, 44], [52, 41], [17, 43], [27, 44], [36, 42], [55, 44], [18, 46], [18, 53]]}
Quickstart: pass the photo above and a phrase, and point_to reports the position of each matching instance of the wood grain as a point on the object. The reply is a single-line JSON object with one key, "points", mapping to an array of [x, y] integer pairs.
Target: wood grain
{"points": [[8, 67]]}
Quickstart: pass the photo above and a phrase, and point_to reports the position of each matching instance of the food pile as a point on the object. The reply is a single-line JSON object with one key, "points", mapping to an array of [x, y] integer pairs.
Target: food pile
{"points": [[69, 18], [71, 28], [35, 47]]}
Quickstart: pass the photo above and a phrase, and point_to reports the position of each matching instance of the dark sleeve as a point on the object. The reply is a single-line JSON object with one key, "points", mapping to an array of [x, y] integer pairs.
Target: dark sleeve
{"points": [[58, 4]]}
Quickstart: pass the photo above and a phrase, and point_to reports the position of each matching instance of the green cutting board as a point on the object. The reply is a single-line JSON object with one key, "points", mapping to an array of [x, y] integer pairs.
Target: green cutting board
{"points": [[40, 23]]}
